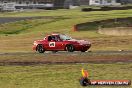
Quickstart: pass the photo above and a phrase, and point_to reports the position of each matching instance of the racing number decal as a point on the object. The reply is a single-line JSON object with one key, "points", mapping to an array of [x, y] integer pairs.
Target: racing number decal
{"points": [[52, 44]]}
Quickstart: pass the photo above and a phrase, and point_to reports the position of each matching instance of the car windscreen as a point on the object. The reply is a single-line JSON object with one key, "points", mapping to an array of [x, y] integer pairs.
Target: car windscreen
{"points": [[65, 37]]}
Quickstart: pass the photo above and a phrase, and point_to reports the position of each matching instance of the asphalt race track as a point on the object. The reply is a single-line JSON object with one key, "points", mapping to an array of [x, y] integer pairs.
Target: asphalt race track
{"points": [[14, 19], [35, 58], [72, 53]]}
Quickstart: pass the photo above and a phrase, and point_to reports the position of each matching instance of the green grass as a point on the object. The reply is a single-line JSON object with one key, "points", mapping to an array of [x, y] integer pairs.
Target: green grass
{"points": [[19, 36], [29, 30], [61, 76], [21, 26], [63, 23]]}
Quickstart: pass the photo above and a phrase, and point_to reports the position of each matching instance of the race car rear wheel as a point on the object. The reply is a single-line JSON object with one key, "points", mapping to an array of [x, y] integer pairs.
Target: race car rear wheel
{"points": [[70, 48], [40, 48]]}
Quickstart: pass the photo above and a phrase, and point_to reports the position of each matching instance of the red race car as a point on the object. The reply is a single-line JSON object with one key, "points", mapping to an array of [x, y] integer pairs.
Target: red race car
{"points": [[60, 42]]}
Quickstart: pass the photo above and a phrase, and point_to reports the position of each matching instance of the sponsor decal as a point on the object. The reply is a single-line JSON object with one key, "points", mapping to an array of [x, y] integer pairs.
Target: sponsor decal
{"points": [[85, 81], [51, 44], [110, 82]]}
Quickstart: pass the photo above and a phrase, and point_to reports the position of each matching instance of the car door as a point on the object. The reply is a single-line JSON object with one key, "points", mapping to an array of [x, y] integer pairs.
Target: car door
{"points": [[59, 43], [51, 43], [54, 43]]}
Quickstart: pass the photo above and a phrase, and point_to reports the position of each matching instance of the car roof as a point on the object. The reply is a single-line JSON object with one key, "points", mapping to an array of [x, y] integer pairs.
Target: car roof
{"points": [[55, 34]]}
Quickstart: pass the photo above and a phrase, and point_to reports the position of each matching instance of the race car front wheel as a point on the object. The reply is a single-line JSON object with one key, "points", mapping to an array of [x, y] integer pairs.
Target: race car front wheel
{"points": [[40, 48], [70, 48]]}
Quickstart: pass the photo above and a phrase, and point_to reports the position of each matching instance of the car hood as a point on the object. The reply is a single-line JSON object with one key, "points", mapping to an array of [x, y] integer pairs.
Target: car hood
{"points": [[80, 41]]}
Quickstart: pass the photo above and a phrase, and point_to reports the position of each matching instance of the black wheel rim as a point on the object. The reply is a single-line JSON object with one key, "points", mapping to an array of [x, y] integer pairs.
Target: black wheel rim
{"points": [[70, 48], [40, 49]]}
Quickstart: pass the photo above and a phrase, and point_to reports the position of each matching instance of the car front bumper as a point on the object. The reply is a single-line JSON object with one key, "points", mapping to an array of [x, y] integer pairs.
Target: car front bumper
{"points": [[34, 47], [83, 47]]}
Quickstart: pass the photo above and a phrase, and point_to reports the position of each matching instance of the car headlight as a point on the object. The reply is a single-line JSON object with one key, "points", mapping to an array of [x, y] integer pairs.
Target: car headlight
{"points": [[34, 43]]}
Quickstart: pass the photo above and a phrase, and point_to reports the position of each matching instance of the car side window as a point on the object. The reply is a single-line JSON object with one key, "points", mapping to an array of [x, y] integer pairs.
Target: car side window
{"points": [[49, 38], [54, 38]]}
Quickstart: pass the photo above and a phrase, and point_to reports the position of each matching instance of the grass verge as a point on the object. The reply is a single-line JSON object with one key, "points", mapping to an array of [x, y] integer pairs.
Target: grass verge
{"points": [[25, 32], [58, 76]]}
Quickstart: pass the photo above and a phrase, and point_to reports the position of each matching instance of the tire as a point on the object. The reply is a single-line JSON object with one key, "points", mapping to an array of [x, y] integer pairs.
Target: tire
{"points": [[40, 48], [70, 48]]}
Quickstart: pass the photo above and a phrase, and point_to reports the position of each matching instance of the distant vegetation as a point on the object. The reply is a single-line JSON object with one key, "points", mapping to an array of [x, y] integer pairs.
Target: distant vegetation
{"points": [[65, 20], [106, 8]]}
